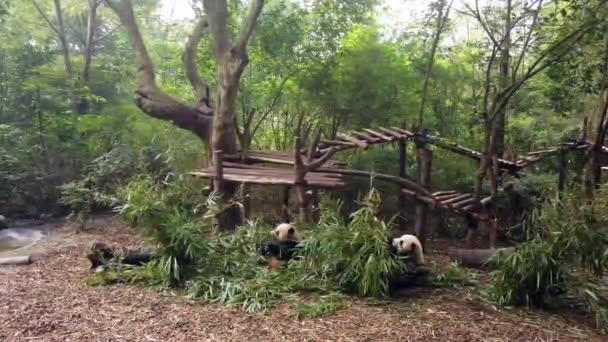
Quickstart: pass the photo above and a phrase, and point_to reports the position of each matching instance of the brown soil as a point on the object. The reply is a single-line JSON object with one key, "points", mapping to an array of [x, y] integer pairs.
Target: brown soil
{"points": [[47, 301]]}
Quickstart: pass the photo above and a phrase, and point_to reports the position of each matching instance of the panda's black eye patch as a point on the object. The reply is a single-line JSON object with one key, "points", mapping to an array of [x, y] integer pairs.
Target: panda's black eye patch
{"points": [[413, 246], [291, 230], [401, 243]]}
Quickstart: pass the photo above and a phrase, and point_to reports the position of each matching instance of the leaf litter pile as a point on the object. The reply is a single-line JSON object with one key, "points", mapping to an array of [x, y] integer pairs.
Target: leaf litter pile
{"points": [[48, 301]]}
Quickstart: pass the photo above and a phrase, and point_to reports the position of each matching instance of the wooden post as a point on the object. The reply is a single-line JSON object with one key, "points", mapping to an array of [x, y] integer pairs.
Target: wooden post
{"points": [[425, 157], [218, 169], [563, 173], [300, 171], [285, 204], [402, 173], [246, 199], [316, 205]]}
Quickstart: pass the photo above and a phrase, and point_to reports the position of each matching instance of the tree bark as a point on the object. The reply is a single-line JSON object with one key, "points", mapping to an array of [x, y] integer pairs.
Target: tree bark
{"points": [[440, 26], [63, 39], [215, 126], [477, 257], [425, 157], [504, 83], [593, 170], [83, 105]]}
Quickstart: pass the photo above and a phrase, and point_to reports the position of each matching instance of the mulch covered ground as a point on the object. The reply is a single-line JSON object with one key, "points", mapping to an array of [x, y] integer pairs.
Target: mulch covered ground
{"points": [[47, 301]]}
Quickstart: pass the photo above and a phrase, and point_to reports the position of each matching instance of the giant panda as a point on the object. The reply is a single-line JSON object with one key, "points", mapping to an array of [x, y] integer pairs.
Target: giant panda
{"points": [[408, 245], [282, 247], [101, 254]]}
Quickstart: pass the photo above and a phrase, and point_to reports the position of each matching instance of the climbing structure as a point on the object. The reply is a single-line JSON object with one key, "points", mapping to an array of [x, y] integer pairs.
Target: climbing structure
{"points": [[313, 168]]}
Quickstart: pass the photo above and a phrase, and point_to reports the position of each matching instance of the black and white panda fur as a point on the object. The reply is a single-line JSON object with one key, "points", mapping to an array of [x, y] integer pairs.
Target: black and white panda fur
{"points": [[408, 245], [283, 247], [101, 254]]}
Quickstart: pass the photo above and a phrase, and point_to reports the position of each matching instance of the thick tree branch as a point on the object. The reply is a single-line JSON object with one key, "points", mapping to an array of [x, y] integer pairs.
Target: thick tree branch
{"points": [[217, 14], [249, 25], [189, 59], [45, 17], [148, 97]]}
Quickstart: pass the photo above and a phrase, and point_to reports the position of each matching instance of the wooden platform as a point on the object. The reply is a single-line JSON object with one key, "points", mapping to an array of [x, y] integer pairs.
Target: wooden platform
{"points": [[454, 201], [272, 157], [253, 174]]}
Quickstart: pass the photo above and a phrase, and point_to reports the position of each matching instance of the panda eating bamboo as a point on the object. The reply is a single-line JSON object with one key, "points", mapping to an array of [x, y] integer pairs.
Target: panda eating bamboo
{"points": [[283, 247], [408, 245]]}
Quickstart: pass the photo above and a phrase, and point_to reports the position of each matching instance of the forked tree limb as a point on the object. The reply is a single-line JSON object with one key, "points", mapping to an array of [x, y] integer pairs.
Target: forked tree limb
{"points": [[189, 59], [249, 25], [148, 97]]}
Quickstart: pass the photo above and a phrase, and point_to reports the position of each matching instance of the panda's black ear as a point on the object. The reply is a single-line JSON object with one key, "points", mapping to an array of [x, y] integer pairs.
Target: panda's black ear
{"points": [[291, 230]]}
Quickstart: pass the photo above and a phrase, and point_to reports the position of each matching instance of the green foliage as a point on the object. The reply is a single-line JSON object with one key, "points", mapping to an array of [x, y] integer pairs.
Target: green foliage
{"points": [[453, 275], [172, 214], [324, 305], [228, 268], [567, 252]]}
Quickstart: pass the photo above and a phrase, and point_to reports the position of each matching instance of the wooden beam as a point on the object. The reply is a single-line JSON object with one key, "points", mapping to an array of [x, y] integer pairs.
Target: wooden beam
{"points": [[378, 135], [355, 141]]}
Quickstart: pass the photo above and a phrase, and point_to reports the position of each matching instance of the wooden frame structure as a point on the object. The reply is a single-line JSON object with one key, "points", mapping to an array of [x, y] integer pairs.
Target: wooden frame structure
{"points": [[313, 168]]}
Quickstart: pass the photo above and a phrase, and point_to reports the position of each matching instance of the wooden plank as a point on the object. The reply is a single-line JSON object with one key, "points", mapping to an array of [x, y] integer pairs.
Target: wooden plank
{"points": [[447, 197], [330, 143], [366, 137], [468, 207], [440, 193], [543, 151], [486, 200], [460, 204], [403, 131], [355, 141], [393, 133], [378, 135], [456, 199]]}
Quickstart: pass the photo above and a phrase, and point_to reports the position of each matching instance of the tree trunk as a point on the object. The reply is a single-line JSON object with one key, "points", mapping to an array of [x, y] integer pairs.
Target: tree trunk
{"points": [[593, 170], [477, 257], [563, 173], [83, 105], [402, 174], [440, 26], [216, 127], [63, 39], [424, 156], [505, 59]]}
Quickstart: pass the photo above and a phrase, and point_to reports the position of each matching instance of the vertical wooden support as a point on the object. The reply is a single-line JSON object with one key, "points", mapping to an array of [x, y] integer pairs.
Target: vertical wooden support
{"points": [[402, 173], [285, 204], [246, 199], [218, 185], [218, 170], [563, 173], [425, 157], [315, 201]]}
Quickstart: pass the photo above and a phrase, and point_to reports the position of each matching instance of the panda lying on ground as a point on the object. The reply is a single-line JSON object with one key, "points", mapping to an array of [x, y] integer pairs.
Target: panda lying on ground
{"points": [[283, 247], [100, 254]]}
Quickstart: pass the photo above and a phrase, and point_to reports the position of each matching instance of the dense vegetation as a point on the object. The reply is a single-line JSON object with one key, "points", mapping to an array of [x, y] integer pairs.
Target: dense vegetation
{"points": [[504, 78]]}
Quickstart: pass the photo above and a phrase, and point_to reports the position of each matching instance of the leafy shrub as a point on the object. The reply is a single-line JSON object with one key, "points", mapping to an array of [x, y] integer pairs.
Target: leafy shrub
{"points": [[169, 214], [454, 275], [567, 253], [228, 268]]}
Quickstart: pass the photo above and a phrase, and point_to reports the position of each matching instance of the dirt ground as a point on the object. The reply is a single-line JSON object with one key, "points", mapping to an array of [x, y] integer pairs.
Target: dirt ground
{"points": [[47, 301]]}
